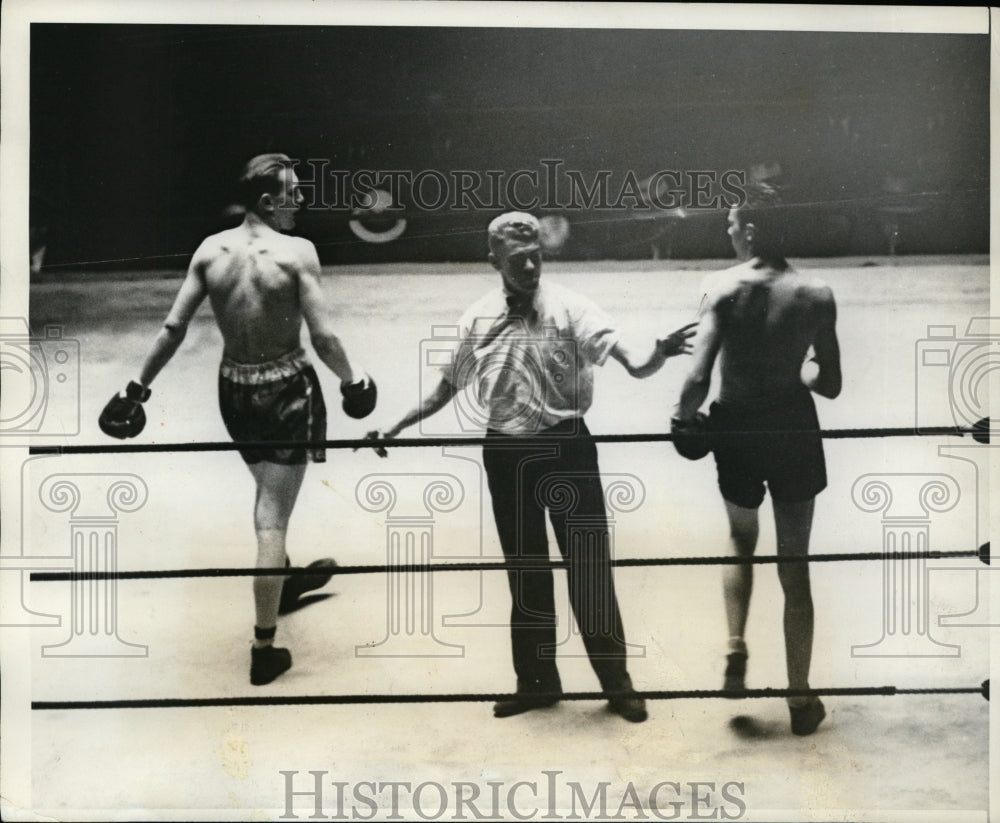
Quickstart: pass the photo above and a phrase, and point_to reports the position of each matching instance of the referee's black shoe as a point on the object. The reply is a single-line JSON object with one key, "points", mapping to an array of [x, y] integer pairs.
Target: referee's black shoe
{"points": [[631, 707], [531, 695], [522, 704]]}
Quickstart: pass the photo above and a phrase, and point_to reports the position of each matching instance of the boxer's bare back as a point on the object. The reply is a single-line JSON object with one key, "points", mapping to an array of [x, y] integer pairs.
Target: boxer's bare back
{"points": [[770, 318], [262, 284], [252, 274]]}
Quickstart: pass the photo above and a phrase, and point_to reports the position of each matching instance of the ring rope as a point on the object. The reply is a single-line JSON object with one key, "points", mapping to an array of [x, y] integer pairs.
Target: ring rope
{"points": [[624, 562], [980, 430], [475, 697]]}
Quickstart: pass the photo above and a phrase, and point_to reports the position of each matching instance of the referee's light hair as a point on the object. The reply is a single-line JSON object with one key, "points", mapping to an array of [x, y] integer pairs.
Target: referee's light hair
{"points": [[513, 225], [262, 175]]}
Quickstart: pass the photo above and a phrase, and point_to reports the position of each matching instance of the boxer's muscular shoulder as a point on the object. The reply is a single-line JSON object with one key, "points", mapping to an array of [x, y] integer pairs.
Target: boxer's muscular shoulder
{"points": [[815, 292], [294, 254], [725, 286]]}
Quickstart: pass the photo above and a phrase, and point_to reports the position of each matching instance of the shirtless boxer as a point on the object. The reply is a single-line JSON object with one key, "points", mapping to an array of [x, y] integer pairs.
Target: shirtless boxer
{"points": [[261, 284], [773, 329]]}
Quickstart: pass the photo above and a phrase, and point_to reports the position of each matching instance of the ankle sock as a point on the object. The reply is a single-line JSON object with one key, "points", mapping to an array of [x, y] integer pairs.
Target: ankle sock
{"points": [[264, 636]]}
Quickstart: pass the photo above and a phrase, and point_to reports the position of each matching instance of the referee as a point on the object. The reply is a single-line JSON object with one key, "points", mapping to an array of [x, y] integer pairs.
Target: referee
{"points": [[525, 358]]}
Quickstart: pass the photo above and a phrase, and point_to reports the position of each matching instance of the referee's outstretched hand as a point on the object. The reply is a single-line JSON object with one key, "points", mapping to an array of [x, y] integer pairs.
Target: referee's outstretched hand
{"points": [[677, 342], [377, 435]]}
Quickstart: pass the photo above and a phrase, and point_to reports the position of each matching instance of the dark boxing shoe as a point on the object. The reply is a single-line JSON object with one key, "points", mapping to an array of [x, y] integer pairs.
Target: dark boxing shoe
{"points": [[736, 671], [267, 663], [806, 719], [296, 585]]}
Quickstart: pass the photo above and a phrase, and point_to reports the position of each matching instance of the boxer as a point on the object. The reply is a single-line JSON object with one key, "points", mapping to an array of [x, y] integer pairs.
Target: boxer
{"points": [[262, 284], [774, 331]]}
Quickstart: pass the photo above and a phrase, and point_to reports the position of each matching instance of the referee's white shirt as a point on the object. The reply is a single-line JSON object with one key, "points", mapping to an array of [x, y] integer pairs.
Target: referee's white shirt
{"points": [[523, 375]]}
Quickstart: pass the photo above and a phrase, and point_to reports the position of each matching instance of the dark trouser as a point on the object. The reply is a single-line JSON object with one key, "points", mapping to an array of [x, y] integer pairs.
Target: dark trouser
{"points": [[556, 471]]}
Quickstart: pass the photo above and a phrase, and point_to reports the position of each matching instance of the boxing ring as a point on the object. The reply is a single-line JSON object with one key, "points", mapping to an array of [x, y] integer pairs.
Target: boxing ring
{"points": [[909, 549], [416, 624]]}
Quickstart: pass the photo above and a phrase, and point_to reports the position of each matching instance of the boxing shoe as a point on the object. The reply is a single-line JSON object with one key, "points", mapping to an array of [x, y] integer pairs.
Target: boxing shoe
{"points": [[806, 719], [736, 670], [296, 585], [267, 663]]}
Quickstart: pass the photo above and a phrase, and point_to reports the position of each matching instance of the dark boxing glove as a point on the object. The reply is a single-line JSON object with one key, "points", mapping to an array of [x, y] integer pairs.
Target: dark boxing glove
{"points": [[691, 436], [359, 398], [123, 416]]}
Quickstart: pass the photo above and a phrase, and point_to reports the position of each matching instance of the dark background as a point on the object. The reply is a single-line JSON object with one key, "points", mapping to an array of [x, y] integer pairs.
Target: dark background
{"points": [[137, 131]]}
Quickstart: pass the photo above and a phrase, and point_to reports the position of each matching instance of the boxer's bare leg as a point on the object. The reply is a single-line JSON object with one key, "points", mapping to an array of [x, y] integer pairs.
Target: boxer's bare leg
{"points": [[737, 585], [793, 523], [277, 490], [737, 579]]}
